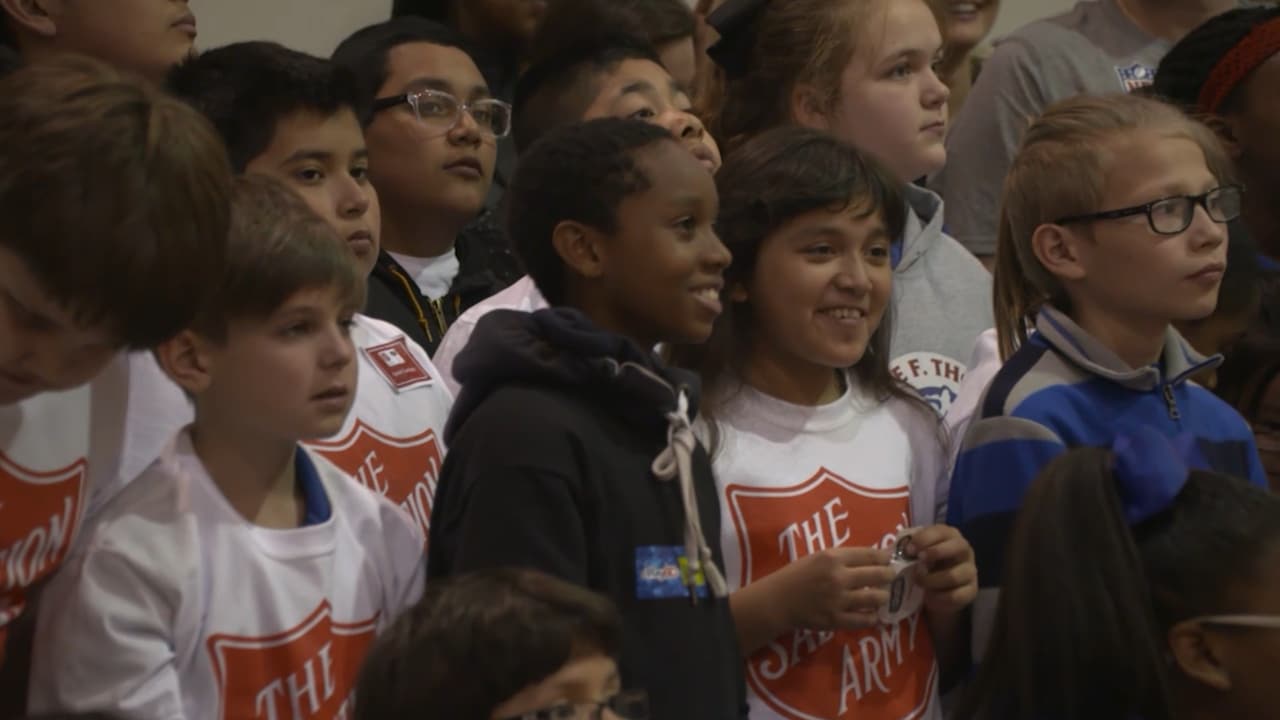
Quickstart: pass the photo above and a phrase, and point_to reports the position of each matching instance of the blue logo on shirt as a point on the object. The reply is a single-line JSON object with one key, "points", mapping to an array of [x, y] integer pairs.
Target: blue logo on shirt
{"points": [[661, 573]]}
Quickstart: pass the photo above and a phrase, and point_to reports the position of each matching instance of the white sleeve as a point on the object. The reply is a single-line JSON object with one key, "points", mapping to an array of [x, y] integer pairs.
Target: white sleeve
{"points": [[930, 481], [104, 640], [455, 339], [983, 367], [408, 562]]}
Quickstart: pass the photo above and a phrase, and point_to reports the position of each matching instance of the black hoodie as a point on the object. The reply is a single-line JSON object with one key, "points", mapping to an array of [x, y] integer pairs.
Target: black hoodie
{"points": [[551, 465]]}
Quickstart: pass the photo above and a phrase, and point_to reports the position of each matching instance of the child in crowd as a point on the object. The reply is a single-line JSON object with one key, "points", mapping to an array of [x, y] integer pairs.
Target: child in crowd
{"points": [[1096, 48], [1137, 587], [1113, 228], [822, 457], [667, 25], [432, 135], [240, 576], [584, 76], [501, 644], [498, 36], [571, 449], [1225, 71], [295, 117], [147, 37], [87, 153], [863, 71], [965, 24]]}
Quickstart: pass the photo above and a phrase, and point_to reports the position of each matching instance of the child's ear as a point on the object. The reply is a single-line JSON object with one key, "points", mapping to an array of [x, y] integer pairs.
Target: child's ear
{"points": [[1194, 654], [187, 359], [580, 247], [1059, 251], [808, 109], [1225, 129], [33, 15]]}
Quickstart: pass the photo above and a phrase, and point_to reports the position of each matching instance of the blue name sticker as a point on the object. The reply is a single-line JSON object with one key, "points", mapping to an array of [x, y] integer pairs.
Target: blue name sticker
{"points": [[661, 572]]}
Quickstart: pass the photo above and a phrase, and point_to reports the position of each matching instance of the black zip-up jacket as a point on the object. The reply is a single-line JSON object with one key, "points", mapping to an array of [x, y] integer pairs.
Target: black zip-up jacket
{"points": [[551, 465], [486, 266]]}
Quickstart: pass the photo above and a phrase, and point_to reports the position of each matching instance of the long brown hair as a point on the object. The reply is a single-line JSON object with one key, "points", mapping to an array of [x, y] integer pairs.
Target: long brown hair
{"points": [[792, 42], [1061, 169]]}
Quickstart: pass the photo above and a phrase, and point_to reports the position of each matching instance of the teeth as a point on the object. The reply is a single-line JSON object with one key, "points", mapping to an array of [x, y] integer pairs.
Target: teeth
{"points": [[708, 293], [964, 8], [845, 313]]}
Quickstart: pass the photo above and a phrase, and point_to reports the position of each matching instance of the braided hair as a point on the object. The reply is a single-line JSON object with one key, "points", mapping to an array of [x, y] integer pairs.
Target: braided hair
{"points": [[1186, 68]]}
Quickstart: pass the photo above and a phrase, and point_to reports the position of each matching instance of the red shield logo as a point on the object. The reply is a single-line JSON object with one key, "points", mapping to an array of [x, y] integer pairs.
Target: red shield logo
{"points": [[39, 516], [306, 672], [881, 673], [397, 364], [405, 471]]}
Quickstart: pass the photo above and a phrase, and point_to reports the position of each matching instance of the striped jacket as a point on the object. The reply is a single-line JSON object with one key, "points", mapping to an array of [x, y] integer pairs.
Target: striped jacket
{"points": [[1064, 389]]}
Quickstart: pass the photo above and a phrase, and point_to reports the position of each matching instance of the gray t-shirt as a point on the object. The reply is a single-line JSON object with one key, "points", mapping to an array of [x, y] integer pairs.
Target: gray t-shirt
{"points": [[1093, 48]]}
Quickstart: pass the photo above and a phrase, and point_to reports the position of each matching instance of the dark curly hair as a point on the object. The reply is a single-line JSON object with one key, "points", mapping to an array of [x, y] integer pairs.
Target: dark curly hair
{"points": [[579, 172], [579, 42], [246, 89]]}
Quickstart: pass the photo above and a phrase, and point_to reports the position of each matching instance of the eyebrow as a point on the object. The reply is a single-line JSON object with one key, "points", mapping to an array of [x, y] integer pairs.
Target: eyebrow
{"points": [[444, 86], [321, 155], [639, 87]]}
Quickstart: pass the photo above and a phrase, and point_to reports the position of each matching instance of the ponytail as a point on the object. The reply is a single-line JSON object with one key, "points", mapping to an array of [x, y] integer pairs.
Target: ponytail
{"points": [[1075, 636], [1016, 298]]}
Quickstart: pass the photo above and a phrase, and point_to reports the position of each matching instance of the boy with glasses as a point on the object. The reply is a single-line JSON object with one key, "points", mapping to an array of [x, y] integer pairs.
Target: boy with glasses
{"points": [[432, 134]]}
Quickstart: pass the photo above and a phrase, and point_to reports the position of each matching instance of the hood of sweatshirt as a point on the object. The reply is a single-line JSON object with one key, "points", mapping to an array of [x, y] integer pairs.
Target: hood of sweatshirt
{"points": [[924, 225], [562, 347]]}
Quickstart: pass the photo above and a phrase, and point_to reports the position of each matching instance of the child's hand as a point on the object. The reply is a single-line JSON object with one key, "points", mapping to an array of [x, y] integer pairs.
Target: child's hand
{"points": [[837, 589], [945, 569]]}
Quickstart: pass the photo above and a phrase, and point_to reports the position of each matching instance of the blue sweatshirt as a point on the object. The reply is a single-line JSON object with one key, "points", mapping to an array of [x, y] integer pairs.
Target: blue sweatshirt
{"points": [[1064, 389]]}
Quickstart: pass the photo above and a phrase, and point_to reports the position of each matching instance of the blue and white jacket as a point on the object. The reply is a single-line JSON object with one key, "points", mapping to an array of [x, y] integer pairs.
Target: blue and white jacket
{"points": [[1064, 389]]}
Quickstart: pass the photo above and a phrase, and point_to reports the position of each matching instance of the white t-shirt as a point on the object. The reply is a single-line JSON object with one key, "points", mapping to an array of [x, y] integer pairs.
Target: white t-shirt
{"points": [[522, 295], [392, 441], [177, 607], [433, 275], [59, 454], [796, 480]]}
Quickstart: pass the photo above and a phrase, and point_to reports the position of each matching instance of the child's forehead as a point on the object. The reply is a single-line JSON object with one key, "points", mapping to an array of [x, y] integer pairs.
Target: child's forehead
{"points": [[314, 131], [634, 76]]}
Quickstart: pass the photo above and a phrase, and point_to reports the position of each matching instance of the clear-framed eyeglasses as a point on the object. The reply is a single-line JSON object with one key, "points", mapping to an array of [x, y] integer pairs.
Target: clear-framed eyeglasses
{"points": [[1265, 622], [442, 112], [1172, 215], [630, 705]]}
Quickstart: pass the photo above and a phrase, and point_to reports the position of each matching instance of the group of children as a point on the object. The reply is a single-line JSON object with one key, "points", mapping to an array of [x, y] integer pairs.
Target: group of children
{"points": [[462, 376]]}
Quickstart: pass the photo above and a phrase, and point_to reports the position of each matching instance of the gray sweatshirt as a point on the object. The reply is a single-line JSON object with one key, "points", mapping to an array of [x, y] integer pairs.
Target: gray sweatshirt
{"points": [[941, 304], [1093, 48]]}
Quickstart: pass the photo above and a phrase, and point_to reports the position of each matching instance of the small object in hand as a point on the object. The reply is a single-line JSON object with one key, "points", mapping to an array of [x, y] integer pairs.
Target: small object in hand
{"points": [[905, 595]]}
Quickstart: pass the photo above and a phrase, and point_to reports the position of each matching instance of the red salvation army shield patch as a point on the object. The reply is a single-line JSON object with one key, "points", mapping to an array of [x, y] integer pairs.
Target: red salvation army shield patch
{"points": [[308, 671], [880, 673]]}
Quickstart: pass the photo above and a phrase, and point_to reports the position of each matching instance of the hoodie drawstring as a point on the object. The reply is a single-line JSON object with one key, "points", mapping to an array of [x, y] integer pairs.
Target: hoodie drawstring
{"points": [[675, 462]]}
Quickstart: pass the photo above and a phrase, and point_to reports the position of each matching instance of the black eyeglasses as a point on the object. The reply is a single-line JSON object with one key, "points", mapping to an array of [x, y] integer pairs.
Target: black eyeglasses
{"points": [[1172, 215], [630, 705], [441, 111]]}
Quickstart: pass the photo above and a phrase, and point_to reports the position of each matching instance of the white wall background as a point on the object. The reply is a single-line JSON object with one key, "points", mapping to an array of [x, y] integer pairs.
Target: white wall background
{"points": [[316, 26]]}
